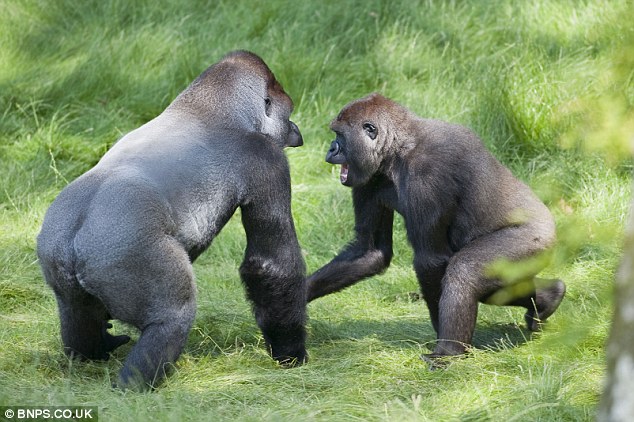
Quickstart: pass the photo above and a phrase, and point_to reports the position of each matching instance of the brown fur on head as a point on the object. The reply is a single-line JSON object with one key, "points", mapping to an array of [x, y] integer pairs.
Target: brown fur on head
{"points": [[368, 131], [376, 107]]}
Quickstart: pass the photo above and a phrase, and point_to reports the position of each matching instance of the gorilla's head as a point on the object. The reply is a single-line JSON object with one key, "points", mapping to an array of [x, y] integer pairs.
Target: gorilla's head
{"points": [[364, 137], [241, 91]]}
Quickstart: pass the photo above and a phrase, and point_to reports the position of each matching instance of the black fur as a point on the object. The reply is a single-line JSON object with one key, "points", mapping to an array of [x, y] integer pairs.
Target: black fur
{"points": [[462, 210], [119, 241]]}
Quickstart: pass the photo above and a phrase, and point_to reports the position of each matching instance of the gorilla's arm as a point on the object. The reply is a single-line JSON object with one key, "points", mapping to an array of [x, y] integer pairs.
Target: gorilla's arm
{"points": [[273, 269], [368, 254]]}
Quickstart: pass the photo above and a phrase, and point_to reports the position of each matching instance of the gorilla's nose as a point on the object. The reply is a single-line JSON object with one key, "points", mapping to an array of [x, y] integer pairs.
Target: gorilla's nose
{"points": [[295, 138], [334, 155], [334, 148]]}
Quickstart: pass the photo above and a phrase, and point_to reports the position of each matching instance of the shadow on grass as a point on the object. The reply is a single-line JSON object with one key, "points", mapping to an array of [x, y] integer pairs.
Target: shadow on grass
{"points": [[215, 334], [234, 333], [229, 333], [403, 334]]}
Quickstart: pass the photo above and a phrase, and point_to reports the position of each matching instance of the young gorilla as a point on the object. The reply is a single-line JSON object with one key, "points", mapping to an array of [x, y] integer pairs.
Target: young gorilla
{"points": [[462, 210], [119, 241]]}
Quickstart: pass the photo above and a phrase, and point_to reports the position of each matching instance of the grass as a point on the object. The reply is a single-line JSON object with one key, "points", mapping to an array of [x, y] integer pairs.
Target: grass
{"points": [[526, 76]]}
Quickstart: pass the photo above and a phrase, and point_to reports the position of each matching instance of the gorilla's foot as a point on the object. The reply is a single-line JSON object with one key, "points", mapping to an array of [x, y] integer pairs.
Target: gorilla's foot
{"points": [[446, 352], [111, 342], [93, 347], [439, 361], [547, 301]]}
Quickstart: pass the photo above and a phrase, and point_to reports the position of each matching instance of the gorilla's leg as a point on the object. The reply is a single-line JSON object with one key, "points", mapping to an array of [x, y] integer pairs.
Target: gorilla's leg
{"points": [[153, 289], [429, 279], [160, 344], [542, 302], [84, 325], [83, 317], [464, 284], [457, 310]]}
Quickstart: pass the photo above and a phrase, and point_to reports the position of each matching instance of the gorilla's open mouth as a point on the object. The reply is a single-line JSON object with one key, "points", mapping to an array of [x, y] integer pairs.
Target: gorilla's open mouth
{"points": [[343, 177]]}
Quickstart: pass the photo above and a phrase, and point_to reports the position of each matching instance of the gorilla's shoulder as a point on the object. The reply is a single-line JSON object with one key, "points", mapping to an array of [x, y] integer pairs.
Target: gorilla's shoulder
{"points": [[448, 135]]}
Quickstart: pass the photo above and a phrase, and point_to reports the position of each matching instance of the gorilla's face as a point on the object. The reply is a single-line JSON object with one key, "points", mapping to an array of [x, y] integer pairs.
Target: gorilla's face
{"points": [[354, 149], [276, 123], [251, 97], [358, 144]]}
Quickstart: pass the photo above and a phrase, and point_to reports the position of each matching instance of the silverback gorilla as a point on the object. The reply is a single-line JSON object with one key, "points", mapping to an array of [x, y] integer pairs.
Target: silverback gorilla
{"points": [[462, 211], [119, 242]]}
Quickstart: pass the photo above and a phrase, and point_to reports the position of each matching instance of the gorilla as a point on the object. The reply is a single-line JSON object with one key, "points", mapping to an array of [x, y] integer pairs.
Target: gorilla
{"points": [[463, 210], [119, 242]]}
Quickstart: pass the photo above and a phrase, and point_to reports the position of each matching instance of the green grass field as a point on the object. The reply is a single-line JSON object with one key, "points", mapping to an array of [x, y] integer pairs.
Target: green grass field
{"points": [[543, 82]]}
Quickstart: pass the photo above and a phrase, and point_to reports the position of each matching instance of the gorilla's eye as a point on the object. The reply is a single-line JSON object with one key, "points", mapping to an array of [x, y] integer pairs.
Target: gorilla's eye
{"points": [[370, 129], [267, 106]]}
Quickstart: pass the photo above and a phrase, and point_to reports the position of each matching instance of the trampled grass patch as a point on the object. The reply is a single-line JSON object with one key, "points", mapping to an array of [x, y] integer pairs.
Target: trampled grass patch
{"points": [[75, 76]]}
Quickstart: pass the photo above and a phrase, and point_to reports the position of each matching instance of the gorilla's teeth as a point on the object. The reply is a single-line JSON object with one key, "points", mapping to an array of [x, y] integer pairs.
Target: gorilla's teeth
{"points": [[344, 173]]}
